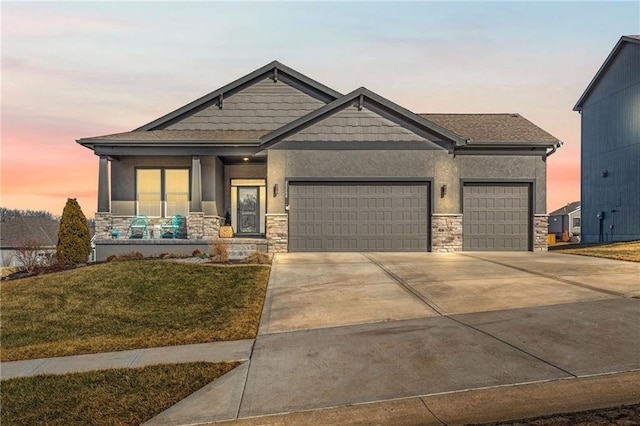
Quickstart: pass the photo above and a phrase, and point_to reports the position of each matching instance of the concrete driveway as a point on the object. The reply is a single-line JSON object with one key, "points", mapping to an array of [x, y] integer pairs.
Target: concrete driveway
{"points": [[426, 331], [317, 290], [341, 329]]}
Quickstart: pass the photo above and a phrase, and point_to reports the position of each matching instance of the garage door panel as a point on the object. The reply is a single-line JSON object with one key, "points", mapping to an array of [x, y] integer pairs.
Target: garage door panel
{"points": [[358, 217], [496, 217]]}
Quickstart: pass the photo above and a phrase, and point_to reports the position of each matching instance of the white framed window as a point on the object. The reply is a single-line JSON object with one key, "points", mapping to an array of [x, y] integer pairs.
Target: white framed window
{"points": [[162, 192]]}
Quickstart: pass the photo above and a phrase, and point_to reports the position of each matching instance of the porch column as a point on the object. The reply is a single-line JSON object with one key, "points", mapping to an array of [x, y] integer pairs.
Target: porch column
{"points": [[103, 185], [196, 185]]}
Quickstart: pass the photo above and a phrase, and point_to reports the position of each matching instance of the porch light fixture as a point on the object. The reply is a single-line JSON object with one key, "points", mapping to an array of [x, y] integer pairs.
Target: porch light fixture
{"points": [[605, 174], [443, 191], [275, 190], [245, 159]]}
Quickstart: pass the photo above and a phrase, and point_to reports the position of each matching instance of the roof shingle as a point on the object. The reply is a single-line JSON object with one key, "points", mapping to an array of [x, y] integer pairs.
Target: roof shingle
{"points": [[21, 230], [492, 128]]}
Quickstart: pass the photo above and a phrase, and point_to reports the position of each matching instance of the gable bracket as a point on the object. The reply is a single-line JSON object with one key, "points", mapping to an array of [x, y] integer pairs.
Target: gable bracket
{"points": [[220, 99], [275, 75], [360, 102]]}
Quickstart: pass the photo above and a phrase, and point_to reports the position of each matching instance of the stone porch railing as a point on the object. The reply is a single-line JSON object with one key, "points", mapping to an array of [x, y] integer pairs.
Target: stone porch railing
{"points": [[199, 226]]}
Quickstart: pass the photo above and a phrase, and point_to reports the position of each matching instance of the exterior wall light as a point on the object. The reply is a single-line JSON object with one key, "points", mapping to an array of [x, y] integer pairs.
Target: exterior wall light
{"points": [[275, 190], [443, 191], [245, 159], [605, 174]]}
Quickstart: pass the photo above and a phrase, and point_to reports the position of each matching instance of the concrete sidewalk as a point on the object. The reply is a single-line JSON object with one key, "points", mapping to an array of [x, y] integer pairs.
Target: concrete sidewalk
{"points": [[239, 350]]}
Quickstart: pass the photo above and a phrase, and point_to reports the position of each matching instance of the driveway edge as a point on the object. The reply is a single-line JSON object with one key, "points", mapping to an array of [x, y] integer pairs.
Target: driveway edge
{"points": [[476, 405]]}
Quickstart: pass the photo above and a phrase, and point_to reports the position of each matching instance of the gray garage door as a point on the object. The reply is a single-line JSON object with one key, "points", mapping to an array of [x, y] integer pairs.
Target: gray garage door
{"points": [[358, 217], [496, 217]]}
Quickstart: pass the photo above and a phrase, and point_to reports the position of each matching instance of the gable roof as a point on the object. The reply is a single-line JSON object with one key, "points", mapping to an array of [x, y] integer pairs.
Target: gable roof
{"points": [[18, 231], [493, 129], [569, 208], [275, 69], [635, 39], [362, 97]]}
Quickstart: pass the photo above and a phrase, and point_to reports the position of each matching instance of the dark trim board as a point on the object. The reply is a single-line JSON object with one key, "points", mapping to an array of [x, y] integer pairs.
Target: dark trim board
{"points": [[364, 224]]}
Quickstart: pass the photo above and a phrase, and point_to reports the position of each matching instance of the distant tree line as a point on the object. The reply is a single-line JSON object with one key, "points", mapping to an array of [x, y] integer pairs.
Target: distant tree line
{"points": [[8, 214]]}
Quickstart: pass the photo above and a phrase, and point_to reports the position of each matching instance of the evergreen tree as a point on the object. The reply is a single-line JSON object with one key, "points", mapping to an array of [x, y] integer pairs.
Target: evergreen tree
{"points": [[74, 238]]}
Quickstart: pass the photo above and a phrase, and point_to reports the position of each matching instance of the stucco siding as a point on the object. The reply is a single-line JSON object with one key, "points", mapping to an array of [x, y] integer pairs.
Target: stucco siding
{"points": [[610, 154], [507, 169], [439, 167], [266, 105]]}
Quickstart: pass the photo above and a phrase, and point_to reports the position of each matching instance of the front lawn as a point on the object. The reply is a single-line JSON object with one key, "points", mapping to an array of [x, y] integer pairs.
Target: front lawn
{"points": [[128, 305], [618, 251], [127, 396]]}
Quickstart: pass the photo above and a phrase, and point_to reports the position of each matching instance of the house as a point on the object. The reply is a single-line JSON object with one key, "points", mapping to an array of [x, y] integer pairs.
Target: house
{"points": [[21, 232], [301, 167], [610, 151], [565, 219]]}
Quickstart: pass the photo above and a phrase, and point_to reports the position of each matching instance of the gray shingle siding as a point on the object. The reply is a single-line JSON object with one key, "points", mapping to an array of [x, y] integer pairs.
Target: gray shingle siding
{"points": [[352, 125], [611, 143], [267, 105]]}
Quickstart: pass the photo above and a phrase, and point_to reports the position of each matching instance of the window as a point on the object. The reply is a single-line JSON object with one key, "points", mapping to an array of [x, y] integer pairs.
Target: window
{"points": [[162, 192], [176, 192], [576, 222], [149, 192]]}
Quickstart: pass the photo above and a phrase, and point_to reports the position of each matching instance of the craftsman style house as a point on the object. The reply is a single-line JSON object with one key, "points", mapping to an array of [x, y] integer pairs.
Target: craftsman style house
{"points": [[300, 167]]}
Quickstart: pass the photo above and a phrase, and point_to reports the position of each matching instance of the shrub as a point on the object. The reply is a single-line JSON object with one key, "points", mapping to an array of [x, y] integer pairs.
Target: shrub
{"points": [[30, 255], [74, 237], [220, 253], [195, 253], [131, 256], [258, 257], [164, 255], [112, 258]]}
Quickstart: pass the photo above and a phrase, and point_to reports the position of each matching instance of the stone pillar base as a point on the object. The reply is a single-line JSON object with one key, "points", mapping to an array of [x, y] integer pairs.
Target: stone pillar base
{"points": [[540, 231], [446, 233], [277, 232], [103, 225]]}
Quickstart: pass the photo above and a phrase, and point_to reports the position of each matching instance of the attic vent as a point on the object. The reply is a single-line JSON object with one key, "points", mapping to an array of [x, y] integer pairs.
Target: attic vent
{"points": [[220, 98], [275, 75]]}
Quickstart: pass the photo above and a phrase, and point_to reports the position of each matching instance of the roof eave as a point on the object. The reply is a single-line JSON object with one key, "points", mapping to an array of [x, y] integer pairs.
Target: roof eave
{"points": [[594, 82], [305, 121], [257, 74]]}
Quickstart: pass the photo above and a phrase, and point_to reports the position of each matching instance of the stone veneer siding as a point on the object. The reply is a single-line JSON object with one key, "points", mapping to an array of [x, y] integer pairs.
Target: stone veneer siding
{"points": [[198, 226], [446, 233], [201, 227], [540, 231], [277, 232]]}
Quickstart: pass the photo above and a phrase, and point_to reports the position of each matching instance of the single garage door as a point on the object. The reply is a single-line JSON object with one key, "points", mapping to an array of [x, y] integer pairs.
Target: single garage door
{"points": [[496, 217], [358, 216]]}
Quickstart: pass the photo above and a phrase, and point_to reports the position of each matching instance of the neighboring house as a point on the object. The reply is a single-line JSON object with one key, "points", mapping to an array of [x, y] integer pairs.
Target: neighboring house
{"points": [[20, 231], [567, 219], [610, 170], [302, 167]]}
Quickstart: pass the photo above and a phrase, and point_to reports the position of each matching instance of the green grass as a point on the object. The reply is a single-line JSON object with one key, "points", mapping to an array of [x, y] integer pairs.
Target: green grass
{"points": [[128, 305], [619, 251], [126, 396]]}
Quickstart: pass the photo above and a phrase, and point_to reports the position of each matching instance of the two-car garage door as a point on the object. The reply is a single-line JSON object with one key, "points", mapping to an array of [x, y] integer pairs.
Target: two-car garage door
{"points": [[358, 216]]}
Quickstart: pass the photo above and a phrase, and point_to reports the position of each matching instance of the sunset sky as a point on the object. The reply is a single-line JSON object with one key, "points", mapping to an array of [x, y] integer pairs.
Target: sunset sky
{"points": [[81, 69]]}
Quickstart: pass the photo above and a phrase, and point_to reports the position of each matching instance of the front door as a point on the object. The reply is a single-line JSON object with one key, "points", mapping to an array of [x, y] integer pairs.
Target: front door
{"points": [[248, 210]]}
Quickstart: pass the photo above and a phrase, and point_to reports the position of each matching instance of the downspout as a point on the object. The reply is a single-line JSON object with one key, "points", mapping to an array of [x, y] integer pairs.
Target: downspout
{"points": [[554, 149]]}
